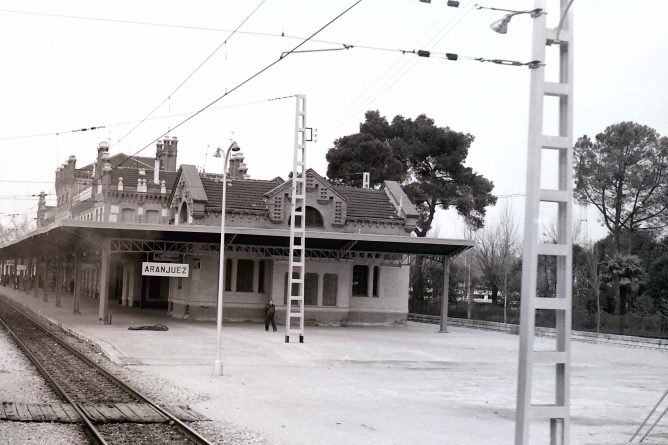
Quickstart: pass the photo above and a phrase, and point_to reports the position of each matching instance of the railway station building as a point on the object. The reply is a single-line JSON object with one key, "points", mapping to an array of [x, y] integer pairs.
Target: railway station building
{"points": [[144, 233]]}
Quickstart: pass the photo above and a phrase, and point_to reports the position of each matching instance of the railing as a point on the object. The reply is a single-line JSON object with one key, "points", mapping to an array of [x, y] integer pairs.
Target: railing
{"points": [[654, 326]]}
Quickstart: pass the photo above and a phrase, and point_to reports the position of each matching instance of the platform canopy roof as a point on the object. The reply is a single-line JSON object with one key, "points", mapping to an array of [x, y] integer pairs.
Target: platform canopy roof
{"points": [[69, 236]]}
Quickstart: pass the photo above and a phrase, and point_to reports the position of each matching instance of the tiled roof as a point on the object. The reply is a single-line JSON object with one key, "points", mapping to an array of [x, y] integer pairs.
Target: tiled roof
{"points": [[247, 194], [130, 176], [190, 175], [368, 203], [126, 161]]}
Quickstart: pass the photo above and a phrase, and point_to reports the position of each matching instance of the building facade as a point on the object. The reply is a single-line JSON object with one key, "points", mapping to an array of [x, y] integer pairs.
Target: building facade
{"points": [[118, 213]]}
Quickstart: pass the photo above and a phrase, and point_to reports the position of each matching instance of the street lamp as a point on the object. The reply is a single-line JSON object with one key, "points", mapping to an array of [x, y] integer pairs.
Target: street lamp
{"points": [[501, 25], [558, 412], [217, 364]]}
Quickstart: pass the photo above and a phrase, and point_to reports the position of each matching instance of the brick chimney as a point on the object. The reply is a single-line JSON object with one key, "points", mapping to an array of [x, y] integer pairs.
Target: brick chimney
{"points": [[102, 149], [41, 209], [71, 164], [168, 149], [238, 167]]}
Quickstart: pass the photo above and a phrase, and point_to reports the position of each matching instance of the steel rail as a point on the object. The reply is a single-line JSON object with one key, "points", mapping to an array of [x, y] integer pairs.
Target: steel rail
{"points": [[92, 432], [189, 432]]}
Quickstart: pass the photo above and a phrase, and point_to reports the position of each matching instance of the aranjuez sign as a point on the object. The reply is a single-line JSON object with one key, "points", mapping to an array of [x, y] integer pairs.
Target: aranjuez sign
{"points": [[165, 269]]}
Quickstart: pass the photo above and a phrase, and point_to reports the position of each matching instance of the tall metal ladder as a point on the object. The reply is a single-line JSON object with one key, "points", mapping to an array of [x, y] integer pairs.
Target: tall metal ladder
{"points": [[297, 262], [558, 359]]}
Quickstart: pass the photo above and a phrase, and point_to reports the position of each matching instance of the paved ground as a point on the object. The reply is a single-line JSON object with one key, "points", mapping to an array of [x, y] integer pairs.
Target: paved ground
{"points": [[374, 385]]}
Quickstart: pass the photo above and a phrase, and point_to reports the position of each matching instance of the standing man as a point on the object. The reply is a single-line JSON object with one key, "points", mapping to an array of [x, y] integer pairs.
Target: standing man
{"points": [[269, 310]]}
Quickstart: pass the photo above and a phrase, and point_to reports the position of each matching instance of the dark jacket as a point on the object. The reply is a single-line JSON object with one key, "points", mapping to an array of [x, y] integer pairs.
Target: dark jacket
{"points": [[269, 310]]}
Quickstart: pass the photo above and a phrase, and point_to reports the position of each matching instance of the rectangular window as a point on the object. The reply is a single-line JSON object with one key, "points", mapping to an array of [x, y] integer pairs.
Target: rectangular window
{"points": [[228, 274], [311, 289], [360, 280], [152, 216], [376, 272], [261, 272], [329, 289], [128, 215], [245, 275], [295, 287]]}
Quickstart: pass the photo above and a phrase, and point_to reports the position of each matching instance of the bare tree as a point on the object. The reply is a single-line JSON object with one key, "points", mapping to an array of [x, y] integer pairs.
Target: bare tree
{"points": [[495, 252], [16, 228]]}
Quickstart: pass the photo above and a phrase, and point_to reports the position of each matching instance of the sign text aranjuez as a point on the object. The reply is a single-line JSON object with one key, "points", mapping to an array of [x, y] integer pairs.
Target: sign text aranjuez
{"points": [[165, 269]]}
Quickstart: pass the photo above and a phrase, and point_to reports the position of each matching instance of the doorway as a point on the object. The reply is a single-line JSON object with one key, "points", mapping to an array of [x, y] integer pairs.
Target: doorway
{"points": [[154, 292]]}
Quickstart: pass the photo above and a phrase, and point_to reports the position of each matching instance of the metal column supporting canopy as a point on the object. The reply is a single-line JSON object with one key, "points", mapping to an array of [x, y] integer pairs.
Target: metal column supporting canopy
{"points": [[558, 359]]}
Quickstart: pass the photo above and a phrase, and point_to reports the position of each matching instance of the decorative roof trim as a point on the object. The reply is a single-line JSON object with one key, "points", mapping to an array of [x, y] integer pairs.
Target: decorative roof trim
{"points": [[322, 180]]}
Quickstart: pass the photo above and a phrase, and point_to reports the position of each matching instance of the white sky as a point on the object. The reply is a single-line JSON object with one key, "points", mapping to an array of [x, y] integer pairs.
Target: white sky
{"points": [[60, 74]]}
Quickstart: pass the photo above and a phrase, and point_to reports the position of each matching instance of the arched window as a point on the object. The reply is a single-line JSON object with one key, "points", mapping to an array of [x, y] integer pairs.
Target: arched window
{"points": [[313, 218]]}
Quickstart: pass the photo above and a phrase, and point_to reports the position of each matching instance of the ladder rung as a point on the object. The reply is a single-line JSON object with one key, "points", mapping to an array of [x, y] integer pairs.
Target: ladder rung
{"points": [[296, 297], [299, 213], [552, 249], [300, 163], [295, 315], [556, 142], [554, 195], [297, 264], [547, 411], [297, 280], [552, 357], [556, 89], [297, 246], [550, 303]]}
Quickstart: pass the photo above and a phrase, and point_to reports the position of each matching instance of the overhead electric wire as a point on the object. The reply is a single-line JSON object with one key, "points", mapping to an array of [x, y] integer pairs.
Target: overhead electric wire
{"points": [[25, 181], [55, 133], [244, 82], [191, 74], [399, 74], [344, 45], [419, 53], [116, 124]]}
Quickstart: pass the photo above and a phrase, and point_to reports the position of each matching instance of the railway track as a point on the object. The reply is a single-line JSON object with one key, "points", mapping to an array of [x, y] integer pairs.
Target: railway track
{"points": [[111, 411]]}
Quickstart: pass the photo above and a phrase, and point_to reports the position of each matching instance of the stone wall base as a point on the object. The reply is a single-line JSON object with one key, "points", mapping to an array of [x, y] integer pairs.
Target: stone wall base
{"points": [[328, 316]]}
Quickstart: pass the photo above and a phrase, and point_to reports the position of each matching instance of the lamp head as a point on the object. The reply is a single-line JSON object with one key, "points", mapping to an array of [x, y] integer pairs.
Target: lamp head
{"points": [[220, 152], [501, 25]]}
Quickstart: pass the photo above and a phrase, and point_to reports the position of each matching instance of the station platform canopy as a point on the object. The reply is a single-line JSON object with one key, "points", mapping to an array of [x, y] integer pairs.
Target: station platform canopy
{"points": [[70, 236]]}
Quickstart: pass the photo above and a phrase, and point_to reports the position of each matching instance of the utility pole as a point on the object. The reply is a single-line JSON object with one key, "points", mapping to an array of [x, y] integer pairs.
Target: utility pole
{"points": [[557, 411], [297, 260]]}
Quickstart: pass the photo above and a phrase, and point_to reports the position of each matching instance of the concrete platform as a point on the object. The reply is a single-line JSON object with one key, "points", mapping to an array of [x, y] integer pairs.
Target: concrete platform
{"points": [[373, 385]]}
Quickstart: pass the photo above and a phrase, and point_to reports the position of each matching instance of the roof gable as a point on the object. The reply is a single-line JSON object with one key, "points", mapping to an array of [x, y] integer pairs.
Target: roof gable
{"points": [[312, 178], [187, 177]]}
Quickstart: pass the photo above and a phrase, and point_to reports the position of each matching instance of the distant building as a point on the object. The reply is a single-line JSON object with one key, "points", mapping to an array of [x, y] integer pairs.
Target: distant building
{"points": [[115, 188]]}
